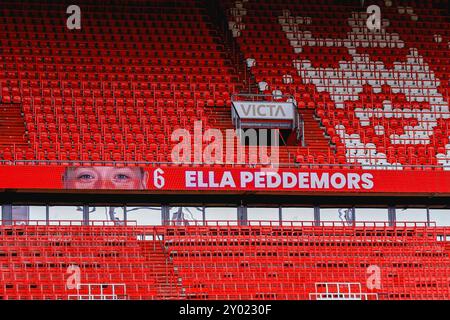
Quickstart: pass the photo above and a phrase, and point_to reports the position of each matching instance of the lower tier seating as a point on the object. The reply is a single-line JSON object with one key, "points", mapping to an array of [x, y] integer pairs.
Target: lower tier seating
{"points": [[223, 262]]}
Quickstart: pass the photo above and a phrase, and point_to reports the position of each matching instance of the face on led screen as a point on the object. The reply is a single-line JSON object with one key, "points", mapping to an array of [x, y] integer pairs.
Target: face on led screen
{"points": [[107, 178]]}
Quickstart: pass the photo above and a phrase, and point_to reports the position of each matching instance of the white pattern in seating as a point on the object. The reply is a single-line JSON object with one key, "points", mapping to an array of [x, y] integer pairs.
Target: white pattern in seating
{"points": [[413, 78], [237, 12]]}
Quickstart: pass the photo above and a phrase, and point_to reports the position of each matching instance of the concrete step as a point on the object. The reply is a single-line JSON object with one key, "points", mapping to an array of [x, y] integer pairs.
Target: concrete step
{"points": [[12, 126]]}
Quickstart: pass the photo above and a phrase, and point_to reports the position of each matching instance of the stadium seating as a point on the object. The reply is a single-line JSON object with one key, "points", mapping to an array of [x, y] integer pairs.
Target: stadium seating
{"points": [[37, 262], [112, 91], [287, 262], [219, 261], [115, 92]]}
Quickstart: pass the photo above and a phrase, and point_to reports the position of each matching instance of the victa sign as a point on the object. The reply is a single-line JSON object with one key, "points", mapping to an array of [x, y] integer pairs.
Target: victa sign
{"points": [[264, 110]]}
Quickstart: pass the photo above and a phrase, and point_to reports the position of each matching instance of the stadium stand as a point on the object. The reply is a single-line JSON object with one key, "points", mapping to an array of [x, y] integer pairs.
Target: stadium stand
{"points": [[220, 261], [35, 262], [287, 262], [113, 92]]}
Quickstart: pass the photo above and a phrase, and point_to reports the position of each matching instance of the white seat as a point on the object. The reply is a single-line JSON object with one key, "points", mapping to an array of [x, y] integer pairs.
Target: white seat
{"points": [[263, 86], [251, 62], [288, 79]]}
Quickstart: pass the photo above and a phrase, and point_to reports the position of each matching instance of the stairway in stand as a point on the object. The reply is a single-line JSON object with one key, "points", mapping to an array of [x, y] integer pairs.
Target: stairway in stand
{"points": [[165, 276], [222, 120], [315, 140], [12, 128]]}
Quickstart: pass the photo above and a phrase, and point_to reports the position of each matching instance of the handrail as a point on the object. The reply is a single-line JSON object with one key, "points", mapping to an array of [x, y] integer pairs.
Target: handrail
{"points": [[260, 95], [234, 115], [158, 236], [315, 166], [70, 223], [277, 223]]}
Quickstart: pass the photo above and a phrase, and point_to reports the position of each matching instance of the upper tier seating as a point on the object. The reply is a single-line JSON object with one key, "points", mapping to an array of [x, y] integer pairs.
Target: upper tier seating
{"points": [[382, 96], [115, 90]]}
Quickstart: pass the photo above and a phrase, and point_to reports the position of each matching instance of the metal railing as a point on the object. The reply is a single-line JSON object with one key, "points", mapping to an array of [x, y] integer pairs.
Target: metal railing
{"points": [[96, 291], [262, 97], [69, 223], [315, 166], [277, 223], [151, 231], [343, 292]]}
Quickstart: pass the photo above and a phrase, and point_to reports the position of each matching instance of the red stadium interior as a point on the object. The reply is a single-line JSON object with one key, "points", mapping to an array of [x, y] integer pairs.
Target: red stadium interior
{"points": [[112, 93], [115, 91]]}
